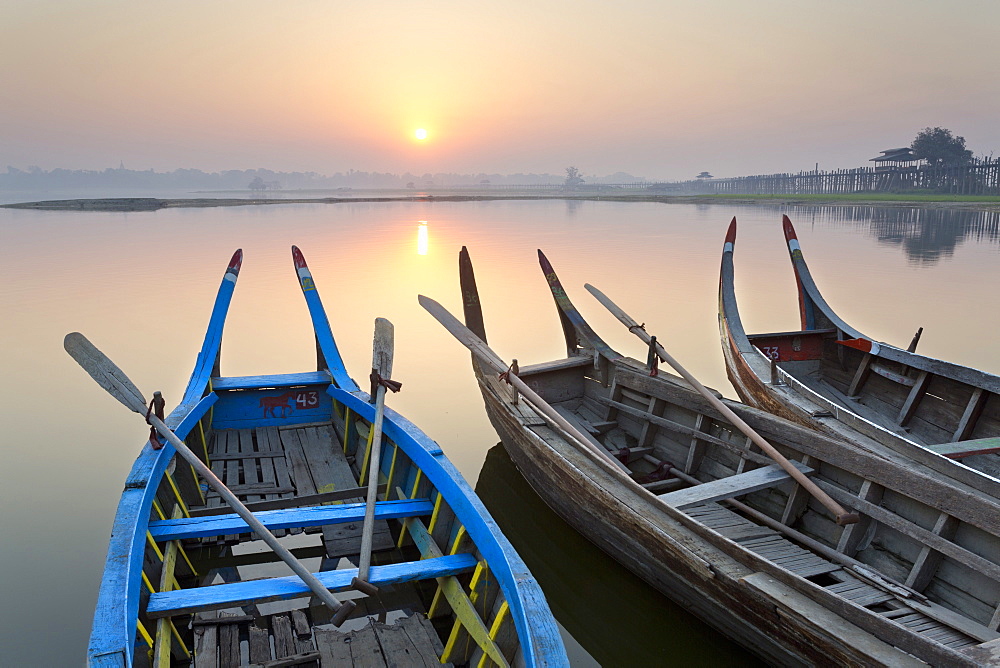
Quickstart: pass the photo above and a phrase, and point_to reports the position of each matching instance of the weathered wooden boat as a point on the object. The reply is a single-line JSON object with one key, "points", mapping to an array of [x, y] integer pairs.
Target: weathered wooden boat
{"points": [[830, 377], [662, 481], [187, 583]]}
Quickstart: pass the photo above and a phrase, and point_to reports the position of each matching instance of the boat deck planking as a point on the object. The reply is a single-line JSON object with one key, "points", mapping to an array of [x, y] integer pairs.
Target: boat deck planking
{"points": [[271, 463], [228, 640]]}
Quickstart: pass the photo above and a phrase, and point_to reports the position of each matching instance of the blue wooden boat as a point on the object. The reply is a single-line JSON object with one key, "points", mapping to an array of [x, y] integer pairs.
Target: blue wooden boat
{"points": [[186, 584]]}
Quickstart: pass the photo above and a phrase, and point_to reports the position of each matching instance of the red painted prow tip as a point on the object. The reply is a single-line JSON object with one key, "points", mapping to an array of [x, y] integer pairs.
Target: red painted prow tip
{"points": [[864, 345], [298, 258], [786, 225], [236, 262], [731, 233]]}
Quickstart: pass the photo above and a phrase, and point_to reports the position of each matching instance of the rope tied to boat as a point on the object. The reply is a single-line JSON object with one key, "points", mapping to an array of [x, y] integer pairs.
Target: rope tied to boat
{"points": [[661, 472], [376, 380], [623, 454], [156, 406], [512, 369]]}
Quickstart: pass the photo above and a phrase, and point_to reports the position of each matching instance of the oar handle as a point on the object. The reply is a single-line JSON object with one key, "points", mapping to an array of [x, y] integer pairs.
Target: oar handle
{"points": [[840, 513], [842, 516], [368, 529], [341, 609], [383, 349]]}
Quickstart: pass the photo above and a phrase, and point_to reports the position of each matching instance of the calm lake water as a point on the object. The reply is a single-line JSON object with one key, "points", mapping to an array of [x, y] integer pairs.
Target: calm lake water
{"points": [[141, 286]]}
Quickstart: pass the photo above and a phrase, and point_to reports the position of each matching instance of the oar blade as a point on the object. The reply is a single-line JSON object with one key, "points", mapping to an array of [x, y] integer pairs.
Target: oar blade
{"points": [[382, 348], [611, 306], [461, 332], [104, 371]]}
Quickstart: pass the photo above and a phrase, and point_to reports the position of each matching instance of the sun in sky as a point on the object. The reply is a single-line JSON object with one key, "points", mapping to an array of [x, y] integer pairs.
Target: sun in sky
{"points": [[420, 134]]}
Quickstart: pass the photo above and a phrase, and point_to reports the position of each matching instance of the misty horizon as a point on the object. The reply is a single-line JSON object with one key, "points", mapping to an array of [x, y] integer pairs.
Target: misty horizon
{"points": [[660, 90]]}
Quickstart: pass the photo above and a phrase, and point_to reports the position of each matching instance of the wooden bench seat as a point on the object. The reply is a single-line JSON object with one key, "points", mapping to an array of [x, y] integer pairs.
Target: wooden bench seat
{"points": [[733, 486], [314, 516], [220, 597], [274, 380]]}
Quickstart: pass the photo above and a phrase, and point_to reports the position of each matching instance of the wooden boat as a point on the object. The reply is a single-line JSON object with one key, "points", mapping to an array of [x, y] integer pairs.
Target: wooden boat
{"points": [[668, 486], [186, 583], [830, 377]]}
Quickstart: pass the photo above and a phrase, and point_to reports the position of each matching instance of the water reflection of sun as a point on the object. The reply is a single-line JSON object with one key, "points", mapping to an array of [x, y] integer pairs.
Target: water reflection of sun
{"points": [[422, 238]]}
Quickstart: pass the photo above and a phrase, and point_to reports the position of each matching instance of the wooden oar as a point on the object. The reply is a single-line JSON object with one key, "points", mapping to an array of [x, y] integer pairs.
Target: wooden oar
{"points": [[843, 517], [118, 385], [492, 360], [382, 350]]}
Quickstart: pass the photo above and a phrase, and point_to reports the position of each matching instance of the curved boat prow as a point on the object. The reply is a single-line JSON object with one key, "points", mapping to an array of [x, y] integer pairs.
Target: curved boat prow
{"points": [[207, 364], [326, 346], [577, 331], [814, 312], [734, 338], [470, 295], [730, 237]]}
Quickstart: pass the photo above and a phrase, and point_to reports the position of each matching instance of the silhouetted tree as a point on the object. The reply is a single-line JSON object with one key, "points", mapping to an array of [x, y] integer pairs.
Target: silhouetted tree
{"points": [[257, 185], [939, 147], [573, 177]]}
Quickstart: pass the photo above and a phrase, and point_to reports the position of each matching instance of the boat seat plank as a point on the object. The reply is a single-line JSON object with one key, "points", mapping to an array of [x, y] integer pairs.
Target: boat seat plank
{"points": [[732, 486], [217, 525], [555, 365], [273, 380], [220, 597], [960, 449]]}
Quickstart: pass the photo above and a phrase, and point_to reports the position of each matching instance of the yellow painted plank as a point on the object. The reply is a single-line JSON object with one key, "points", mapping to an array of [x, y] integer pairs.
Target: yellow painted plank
{"points": [[454, 593]]}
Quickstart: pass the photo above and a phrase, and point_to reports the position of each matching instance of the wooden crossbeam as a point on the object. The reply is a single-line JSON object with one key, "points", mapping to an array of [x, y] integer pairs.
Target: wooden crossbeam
{"points": [[980, 446], [916, 393], [275, 380], [219, 597], [732, 486], [315, 516]]}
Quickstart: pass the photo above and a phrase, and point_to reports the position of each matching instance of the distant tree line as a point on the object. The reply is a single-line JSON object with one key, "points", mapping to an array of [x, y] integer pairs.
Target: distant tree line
{"points": [[37, 179]]}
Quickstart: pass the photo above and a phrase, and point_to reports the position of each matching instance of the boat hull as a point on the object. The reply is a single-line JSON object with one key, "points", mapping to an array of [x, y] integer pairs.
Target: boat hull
{"points": [[628, 524]]}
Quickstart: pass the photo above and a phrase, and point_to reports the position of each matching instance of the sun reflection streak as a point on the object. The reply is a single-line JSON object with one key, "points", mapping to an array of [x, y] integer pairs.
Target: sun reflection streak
{"points": [[422, 238]]}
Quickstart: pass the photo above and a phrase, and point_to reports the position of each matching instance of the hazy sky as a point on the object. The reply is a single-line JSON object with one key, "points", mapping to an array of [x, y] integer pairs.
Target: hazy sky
{"points": [[658, 89]]}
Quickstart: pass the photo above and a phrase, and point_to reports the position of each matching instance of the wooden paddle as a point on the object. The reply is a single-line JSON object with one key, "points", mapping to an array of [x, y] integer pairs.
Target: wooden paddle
{"points": [[843, 517], [485, 354], [118, 385], [382, 351]]}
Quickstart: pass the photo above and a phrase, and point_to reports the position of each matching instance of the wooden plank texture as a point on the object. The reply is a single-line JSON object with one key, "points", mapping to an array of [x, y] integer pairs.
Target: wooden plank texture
{"points": [[727, 488]]}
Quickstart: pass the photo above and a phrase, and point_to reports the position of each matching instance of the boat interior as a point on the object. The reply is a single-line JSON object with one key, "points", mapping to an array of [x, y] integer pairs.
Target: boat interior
{"points": [[954, 418], [924, 555], [213, 595]]}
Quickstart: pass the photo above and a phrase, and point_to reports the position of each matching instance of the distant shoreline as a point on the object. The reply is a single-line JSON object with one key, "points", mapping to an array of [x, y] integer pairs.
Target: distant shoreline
{"points": [[127, 204]]}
